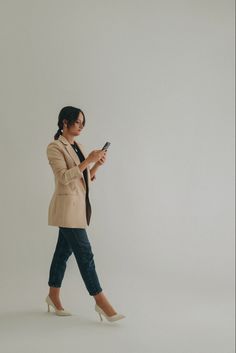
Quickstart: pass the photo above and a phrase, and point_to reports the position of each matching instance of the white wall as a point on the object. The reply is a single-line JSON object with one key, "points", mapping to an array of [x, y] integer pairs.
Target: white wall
{"points": [[156, 79]]}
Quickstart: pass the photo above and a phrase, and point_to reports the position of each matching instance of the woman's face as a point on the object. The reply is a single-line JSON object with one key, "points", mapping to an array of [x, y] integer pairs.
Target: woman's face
{"points": [[76, 128]]}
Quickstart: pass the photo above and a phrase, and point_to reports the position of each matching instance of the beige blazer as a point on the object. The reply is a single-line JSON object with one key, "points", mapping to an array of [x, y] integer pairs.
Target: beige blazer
{"points": [[67, 207]]}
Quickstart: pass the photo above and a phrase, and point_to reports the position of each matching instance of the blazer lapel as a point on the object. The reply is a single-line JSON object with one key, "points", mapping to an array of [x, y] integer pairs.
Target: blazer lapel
{"points": [[72, 152]]}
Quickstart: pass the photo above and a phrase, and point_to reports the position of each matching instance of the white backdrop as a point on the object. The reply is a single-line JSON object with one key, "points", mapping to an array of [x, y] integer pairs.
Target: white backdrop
{"points": [[156, 79]]}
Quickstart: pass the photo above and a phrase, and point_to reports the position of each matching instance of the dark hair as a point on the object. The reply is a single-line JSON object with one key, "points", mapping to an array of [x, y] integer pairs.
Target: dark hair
{"points": [[71, 115]]}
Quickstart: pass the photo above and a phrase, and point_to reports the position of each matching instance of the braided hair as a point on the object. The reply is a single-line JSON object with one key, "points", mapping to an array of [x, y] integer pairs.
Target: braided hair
{"points": [[70, 114]]}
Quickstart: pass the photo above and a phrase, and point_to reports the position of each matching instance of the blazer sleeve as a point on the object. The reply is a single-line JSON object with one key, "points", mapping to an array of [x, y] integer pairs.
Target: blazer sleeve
{"points": [[59, 167]]}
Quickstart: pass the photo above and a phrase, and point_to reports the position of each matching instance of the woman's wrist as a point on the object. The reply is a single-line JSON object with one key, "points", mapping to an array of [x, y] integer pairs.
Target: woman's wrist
{"points": [[88, 161], [94, 168], [83, 165]]}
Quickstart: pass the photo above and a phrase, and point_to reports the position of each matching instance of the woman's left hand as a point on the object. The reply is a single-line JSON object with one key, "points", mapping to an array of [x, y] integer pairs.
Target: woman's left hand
{"points": [[102, 160]]}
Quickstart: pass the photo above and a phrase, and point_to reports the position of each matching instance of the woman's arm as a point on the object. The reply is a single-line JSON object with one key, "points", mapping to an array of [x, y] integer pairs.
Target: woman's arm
{"points": [[93, 171], [83, 165], [59, 167], [96, 166]]}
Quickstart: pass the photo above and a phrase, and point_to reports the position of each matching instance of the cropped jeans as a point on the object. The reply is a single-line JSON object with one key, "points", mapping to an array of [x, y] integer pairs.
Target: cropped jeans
{"points": [[74, 240]]}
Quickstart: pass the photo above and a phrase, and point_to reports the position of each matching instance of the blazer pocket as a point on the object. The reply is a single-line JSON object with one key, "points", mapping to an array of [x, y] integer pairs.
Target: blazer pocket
{"points": [[72, 187], [67, 194]]}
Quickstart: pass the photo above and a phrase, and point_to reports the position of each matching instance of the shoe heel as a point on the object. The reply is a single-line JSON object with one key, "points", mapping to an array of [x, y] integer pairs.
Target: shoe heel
{"points": [[57, 311], [112, 318]]}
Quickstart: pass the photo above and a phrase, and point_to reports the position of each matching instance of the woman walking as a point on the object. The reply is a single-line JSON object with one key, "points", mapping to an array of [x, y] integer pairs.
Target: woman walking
{"points": [[70, 211]]}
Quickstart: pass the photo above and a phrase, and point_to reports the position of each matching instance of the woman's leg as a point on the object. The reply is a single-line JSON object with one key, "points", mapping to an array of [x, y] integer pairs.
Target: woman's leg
{"points": [[81, 247], [57, 269]]}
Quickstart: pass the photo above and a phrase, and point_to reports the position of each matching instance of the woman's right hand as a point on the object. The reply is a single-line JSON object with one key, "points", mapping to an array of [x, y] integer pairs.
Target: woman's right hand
{"points": [[95, 155]]}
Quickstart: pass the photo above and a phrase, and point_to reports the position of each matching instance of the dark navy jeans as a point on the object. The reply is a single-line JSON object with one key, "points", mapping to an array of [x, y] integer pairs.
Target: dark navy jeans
{"points": [[74, 240]]}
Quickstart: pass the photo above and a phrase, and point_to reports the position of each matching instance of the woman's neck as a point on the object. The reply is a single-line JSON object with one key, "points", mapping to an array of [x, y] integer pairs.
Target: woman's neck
{"points": [[69, 138]]}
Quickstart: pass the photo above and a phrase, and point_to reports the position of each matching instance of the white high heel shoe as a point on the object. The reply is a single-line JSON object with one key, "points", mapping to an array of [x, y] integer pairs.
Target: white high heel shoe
{"points": [[58, 312], [109, 318]]}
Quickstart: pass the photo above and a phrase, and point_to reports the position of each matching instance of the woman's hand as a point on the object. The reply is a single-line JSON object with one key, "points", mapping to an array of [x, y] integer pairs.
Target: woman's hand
{"points": [[102, 160], [96, 155]]}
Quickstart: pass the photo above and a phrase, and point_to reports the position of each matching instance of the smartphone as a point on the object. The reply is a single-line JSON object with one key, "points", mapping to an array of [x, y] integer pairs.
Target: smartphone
{"points": [[105, 147]]}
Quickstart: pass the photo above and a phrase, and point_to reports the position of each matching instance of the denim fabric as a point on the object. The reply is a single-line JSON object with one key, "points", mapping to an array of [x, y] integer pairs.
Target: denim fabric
{"points": [[74, 240]]}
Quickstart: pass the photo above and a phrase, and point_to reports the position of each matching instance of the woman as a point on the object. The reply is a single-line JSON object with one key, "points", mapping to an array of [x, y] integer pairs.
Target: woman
{"points": [[70, 210]]}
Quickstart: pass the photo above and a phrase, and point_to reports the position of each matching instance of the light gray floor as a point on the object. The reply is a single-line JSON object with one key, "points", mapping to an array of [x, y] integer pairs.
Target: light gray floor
{"points": [[158, 320]]}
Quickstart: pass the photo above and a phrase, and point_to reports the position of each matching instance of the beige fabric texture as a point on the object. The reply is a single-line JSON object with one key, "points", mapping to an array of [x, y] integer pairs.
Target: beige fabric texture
{"points": [[67, 207]]}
